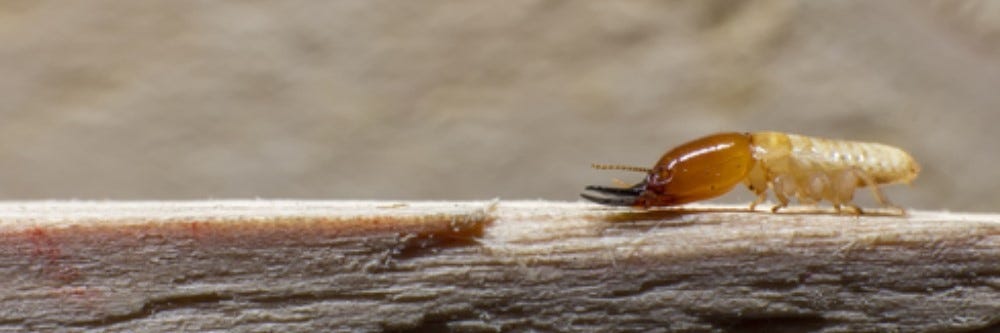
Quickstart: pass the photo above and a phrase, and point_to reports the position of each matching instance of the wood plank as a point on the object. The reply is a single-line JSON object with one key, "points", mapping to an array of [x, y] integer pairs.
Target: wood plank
{"points": [[247, 266]]}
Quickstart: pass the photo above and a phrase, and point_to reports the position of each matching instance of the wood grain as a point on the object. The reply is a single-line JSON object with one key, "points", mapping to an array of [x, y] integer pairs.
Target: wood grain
{"points": [[256, 266]]}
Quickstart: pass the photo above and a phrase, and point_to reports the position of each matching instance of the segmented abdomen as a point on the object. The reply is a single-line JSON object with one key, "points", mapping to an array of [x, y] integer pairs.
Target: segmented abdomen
{"points": [[885, 164]]}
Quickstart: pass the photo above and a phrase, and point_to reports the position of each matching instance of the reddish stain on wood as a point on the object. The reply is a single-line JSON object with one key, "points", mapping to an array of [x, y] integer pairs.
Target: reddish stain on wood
{"points": [[45, 249]]}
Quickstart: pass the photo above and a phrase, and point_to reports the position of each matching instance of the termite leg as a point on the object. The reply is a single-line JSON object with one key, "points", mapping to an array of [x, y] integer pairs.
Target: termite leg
{"points": [[758, 188], [781, 186], [853, 209], [760, 198], [783, 202], [876, 191], [756, 182]]}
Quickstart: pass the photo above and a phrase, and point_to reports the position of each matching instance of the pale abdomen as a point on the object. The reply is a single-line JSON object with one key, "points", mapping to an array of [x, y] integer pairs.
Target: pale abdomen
{"points": [[885, 164]]}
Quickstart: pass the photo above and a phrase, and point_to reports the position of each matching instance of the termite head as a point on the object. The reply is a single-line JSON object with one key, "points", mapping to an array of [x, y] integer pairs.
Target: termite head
{"points": [[698, 170]]}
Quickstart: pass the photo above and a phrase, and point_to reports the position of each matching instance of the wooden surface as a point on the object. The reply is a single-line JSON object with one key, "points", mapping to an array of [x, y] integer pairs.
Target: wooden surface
{"points": [[492, 266]]}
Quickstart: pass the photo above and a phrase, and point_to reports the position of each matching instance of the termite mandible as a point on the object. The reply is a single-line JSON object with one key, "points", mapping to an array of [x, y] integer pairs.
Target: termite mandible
{"points": [[810, 169]]}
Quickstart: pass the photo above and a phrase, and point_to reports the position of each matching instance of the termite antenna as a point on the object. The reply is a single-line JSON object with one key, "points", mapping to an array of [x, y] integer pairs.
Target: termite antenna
{"points": [[620, 167]]}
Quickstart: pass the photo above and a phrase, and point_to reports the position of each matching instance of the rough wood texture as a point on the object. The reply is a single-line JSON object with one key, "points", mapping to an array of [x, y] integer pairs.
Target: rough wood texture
{"points": [[489, 266]]}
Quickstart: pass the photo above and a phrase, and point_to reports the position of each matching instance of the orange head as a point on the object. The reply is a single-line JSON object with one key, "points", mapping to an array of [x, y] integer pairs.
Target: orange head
{"points": [[701, 169]]}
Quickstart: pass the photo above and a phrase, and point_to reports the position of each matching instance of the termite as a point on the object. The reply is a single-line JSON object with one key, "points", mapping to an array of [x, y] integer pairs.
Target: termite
{"points": [[807, 168]]}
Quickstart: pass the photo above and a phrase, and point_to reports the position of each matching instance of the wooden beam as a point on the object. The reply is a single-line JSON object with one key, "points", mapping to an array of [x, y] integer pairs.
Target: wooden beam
{"points": [[488, 267]]}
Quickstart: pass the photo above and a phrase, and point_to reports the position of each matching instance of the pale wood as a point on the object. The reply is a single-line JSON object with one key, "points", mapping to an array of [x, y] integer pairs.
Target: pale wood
{"points": [[287, 266]]}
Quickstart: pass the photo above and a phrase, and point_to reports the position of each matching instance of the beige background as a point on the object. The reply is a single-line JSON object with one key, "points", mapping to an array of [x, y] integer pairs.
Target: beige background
{"points": [[174, 99]]}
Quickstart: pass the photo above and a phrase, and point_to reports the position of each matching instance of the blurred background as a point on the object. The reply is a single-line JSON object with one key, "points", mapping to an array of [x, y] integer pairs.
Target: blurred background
{"points": [[454, 99]]}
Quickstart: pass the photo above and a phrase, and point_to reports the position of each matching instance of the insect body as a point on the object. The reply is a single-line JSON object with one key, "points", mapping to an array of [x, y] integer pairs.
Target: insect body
{"points": [[807, 168]]}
